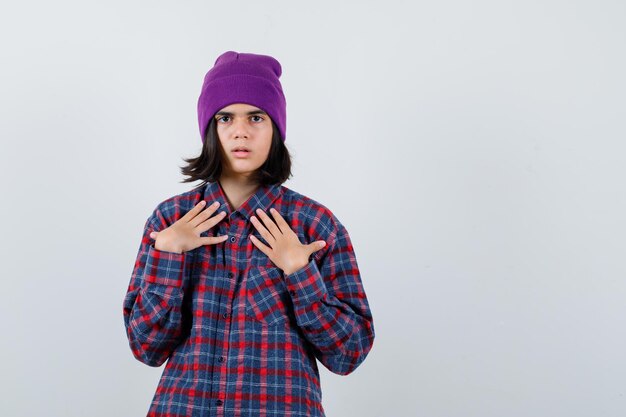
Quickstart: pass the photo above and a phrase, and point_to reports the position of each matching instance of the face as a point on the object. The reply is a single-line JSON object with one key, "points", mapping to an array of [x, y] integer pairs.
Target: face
{"points": [[243, 126]]}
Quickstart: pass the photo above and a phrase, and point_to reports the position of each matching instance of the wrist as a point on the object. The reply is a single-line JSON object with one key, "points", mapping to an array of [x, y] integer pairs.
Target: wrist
{"points": [[177, 251], [296, 268]]}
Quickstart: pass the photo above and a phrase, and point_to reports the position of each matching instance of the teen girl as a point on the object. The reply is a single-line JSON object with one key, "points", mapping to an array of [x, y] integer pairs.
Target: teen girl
{"points": [[241, 283]]}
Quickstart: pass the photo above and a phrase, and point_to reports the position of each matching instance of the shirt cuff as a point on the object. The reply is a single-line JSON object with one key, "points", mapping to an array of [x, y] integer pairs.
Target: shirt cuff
{"points": [[306, 285], [166, 268]]}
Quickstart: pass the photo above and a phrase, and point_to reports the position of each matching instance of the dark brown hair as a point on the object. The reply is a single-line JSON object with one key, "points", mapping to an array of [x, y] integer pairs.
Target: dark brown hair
{"points": [[207, 167]]}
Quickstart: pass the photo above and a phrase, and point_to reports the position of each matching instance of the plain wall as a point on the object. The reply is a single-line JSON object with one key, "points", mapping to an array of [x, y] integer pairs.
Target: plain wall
{"points": [[474, 151]]}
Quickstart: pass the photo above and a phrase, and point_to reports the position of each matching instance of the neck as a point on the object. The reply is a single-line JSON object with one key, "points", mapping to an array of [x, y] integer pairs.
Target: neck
{"points": [[237, 190]]}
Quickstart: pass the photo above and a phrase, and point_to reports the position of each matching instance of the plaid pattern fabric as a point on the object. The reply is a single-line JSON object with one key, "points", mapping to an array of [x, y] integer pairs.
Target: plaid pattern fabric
{"points": [[240, 337]]}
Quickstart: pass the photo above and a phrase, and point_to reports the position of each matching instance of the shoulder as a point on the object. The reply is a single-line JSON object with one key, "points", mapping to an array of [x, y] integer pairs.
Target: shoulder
{"points": [[173, 208], [312, 216]]}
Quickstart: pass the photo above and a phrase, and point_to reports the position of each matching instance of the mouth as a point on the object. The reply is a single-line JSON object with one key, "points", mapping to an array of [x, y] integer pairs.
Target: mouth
{"points": [[241, 151]]}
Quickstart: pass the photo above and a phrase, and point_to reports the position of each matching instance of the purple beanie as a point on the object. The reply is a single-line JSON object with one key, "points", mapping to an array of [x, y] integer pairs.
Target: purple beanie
{"points": [[243, 78]]}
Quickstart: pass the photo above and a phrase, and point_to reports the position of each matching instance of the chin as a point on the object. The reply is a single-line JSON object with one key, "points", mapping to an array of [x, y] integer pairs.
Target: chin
{"points": [[243, 171]]}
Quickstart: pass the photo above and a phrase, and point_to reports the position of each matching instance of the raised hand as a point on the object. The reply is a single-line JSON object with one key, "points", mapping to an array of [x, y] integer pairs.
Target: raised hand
{"points": [[285, 250], [184, 234]]}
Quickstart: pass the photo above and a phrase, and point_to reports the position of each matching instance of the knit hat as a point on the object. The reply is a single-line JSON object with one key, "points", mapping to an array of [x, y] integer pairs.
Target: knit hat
{"points": [[243, 78]]}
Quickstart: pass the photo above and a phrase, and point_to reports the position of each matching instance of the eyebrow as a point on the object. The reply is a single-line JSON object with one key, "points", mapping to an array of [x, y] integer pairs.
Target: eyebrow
{"points": [[227, 113]]}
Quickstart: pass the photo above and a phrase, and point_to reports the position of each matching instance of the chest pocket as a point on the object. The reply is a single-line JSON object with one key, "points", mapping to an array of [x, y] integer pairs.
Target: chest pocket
{"points": [[267, 300]]}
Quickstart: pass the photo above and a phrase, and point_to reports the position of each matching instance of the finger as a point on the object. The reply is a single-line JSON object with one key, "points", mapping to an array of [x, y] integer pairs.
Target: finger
{"points": [[260, 245], [205, 214], [211, 222], [268, 222], [153, 235], [212, 240], [282, 224], [315, 246], [262, 230], [194, 211]]}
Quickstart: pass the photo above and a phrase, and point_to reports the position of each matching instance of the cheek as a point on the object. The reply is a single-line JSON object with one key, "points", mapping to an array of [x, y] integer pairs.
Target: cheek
{"points": [[261, 158], [265, 153], [220, 140]]}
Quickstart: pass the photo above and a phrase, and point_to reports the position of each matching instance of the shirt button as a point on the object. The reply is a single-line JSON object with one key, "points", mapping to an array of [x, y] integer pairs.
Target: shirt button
{"points": [[225, 315], [219, 402], [233, 238], [221, 359], [292, 292], [230, 275]]}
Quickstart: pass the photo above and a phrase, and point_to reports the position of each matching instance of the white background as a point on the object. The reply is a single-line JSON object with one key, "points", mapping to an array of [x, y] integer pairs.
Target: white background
{"points": [[474, 151]]}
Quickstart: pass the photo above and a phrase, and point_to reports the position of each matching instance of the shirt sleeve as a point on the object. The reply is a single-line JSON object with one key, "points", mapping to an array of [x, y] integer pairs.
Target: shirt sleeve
{"points": [[153, 303], [331, 306]]}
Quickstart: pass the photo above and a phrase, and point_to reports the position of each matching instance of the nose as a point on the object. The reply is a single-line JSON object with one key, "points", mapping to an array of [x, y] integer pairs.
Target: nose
{"points": [[240, 128]]}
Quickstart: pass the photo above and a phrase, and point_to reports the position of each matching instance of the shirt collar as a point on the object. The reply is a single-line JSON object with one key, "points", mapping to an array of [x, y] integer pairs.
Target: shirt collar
{"points": [[262, 199]]}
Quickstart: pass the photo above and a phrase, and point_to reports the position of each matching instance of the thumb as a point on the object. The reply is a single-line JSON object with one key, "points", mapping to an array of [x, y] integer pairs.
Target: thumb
{"points": [[153, 234], [317, 245]]}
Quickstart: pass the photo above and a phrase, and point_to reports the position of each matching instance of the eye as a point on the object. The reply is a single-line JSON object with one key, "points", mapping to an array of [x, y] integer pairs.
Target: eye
{"points": [[220, 118], [260, 118]]}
